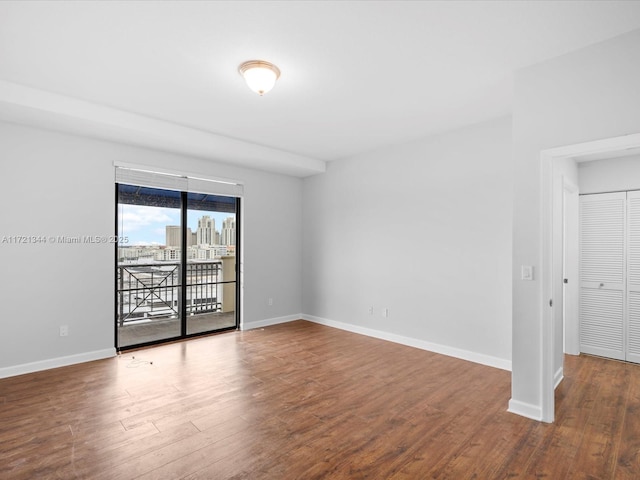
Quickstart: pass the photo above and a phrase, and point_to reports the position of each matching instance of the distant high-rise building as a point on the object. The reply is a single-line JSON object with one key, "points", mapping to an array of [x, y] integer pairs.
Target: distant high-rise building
{"points": [[174, 236], [206, 233], [229, 231]]}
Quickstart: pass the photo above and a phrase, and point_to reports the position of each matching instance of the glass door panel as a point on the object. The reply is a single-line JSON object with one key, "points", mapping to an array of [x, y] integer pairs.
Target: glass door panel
{"points": [[148, 268], [211, 263]]}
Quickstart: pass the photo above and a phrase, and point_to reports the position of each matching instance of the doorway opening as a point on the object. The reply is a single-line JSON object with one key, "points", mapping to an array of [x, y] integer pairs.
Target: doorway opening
{"points": [[552, 312]]}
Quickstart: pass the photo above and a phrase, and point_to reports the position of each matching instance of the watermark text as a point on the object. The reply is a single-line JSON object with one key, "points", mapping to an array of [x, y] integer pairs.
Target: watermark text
{"points": [[61, 239]]}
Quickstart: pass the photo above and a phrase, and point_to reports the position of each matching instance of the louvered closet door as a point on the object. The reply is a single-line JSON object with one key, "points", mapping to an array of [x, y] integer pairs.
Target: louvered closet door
{"points": [[633, 277], [602, 274]]}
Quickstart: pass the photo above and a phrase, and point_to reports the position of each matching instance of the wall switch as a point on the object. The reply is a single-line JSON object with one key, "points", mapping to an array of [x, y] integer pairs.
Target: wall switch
{"points": [[370, 310], [64, 330], [270, 301], [385, 312], [527, 272]]}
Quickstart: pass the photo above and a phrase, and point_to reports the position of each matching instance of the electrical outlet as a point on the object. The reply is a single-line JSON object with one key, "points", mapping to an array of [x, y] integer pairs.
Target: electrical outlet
{"points": [[270, 301], [370, 310], [64, 330]]}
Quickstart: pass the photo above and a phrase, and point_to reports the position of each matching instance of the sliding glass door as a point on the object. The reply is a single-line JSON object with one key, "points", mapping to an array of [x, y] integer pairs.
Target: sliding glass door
{"points": [[176, 264], [211, 263], [148, 269]]}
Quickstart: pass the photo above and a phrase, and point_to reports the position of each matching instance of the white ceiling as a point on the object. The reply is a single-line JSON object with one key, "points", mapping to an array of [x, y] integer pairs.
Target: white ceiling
{"points": [[356, 76]]}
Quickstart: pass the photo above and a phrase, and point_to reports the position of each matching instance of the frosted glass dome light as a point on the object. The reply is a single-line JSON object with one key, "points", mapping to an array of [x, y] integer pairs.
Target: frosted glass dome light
{"points": [[260, 76]]}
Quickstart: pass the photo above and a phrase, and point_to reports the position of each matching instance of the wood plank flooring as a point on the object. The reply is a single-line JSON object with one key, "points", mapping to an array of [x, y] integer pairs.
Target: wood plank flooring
{"points": [[304, 401]]}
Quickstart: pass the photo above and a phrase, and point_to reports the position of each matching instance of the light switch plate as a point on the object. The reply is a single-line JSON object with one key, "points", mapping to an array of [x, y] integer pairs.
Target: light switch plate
{"points": [[527, 272]]}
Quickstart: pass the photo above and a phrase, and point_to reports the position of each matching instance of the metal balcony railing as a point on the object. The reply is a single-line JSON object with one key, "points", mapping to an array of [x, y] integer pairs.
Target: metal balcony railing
{"points": [[151, 291]]}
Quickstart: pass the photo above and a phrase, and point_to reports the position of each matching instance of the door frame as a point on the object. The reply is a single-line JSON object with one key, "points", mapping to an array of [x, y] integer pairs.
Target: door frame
{"points": [[571, 270], [549, 312], [239, 271]]}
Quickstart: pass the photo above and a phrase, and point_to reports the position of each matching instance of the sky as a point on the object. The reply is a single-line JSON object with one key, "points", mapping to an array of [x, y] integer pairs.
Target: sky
{"points": [[144, 225]]}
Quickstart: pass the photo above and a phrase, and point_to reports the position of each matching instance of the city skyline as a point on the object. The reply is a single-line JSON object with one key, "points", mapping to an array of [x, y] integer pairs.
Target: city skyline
{"points": [[146, 226]]}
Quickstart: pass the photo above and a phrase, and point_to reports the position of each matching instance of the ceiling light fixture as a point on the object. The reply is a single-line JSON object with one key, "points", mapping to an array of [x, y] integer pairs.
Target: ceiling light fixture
{"points": [[260, 76]]}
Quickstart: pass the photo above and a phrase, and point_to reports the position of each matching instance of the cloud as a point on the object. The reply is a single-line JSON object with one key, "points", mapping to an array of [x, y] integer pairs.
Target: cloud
{"points": [[138, 217]]}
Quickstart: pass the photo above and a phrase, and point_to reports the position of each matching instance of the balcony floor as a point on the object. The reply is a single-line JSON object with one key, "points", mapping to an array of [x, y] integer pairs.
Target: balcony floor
{"points": [[154, 330]]}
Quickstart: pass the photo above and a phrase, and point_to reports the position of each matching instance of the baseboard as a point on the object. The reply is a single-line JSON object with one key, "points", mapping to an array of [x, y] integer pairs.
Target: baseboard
{"points": [[412, 342], [270, 321], [534, 412], [56, 362], [558, 377]]}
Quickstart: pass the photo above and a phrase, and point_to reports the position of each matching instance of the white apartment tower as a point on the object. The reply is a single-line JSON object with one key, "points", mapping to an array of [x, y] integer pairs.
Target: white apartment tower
{"points": [[206, 233], [228, 231]]}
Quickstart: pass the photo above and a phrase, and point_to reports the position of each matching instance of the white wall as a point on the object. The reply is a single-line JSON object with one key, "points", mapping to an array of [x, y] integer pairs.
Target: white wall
{"points": [[583, 96], [611, 175], [423, 229], [55, 184]]}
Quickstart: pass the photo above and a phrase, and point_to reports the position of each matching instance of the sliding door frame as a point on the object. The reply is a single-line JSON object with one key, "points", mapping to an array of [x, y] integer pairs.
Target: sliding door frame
{"points": [[183, 277]]}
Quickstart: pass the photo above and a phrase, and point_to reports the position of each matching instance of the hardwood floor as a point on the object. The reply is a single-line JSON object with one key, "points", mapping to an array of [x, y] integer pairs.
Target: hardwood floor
{"points": [[304, 401]]}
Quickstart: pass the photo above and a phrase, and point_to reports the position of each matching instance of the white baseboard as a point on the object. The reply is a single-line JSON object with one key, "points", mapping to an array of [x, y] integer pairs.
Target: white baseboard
{"points": [[558, 377], [56, 362], [270, 321], [412, 342], [534, 412]]}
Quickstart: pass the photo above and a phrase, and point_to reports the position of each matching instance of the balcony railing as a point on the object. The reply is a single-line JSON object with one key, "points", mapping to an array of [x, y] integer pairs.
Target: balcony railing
{"points": [[151, 291]]}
